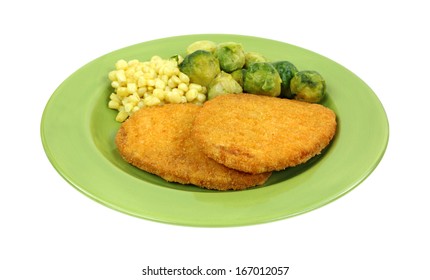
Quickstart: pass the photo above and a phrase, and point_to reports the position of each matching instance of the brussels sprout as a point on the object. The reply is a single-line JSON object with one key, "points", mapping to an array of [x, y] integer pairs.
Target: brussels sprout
{"points": [[223, 84], [201, 66], [231, 56], [286, 70], [252, 57], [202, 45], [308, 86], [262, 78], [178, 58], [238, 76]]}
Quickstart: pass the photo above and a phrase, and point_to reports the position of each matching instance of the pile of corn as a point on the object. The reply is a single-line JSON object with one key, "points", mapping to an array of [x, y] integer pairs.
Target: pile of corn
{"points": [[158, 81]]}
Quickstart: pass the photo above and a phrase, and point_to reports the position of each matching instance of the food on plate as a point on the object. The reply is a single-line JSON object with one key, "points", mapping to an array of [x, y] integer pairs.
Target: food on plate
{"points": [[238, 76], [286, 71], [231, 56], [158, 81], [158, 140], [201, 66], [223, 83], [308, 86], [252, 57], [262, 78], [255, 133], [213, 119], [205, 45]]}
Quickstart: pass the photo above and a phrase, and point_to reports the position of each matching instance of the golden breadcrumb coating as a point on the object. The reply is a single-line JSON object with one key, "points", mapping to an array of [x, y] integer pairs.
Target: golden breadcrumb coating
{"points": [[255, 134], [158, 140]]}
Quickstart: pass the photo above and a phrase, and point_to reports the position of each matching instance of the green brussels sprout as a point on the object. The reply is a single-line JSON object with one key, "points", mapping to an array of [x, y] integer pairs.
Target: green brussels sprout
{"points": [[178, 58], [308, 86], [202, 45], [238, 76], [223, 84], [201, 67], [231, 56], [286, 70], [262, 78], [252, 57]]}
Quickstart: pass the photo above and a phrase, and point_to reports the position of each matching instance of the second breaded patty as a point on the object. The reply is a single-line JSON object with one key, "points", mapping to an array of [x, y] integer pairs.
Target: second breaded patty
{"points": [[255, 134], [158, 140]]}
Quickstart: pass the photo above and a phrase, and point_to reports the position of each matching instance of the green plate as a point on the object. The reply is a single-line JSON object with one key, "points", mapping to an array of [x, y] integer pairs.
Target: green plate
{"points": [[78, 131]]}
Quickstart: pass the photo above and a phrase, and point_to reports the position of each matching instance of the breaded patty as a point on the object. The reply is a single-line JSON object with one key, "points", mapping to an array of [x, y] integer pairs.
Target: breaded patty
{"points": [[254, 133], [157, 140]]}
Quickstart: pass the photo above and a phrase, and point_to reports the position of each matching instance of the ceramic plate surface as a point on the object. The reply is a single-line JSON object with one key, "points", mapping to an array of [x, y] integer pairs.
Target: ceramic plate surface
{"points": [[78, 131]]}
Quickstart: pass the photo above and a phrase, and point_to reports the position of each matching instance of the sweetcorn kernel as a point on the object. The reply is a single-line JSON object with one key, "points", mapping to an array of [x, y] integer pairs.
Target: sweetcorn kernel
{"points": [[121, 116], [113, 104], [121, 64], [120, 76], [183, 87], [131, 87], [191, 95], [201, 97], [184, 78], [151, 101], [159, 93]]}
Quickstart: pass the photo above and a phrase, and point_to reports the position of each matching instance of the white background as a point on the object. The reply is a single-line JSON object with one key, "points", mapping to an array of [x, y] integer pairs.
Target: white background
{"points": [[378, 231]]}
